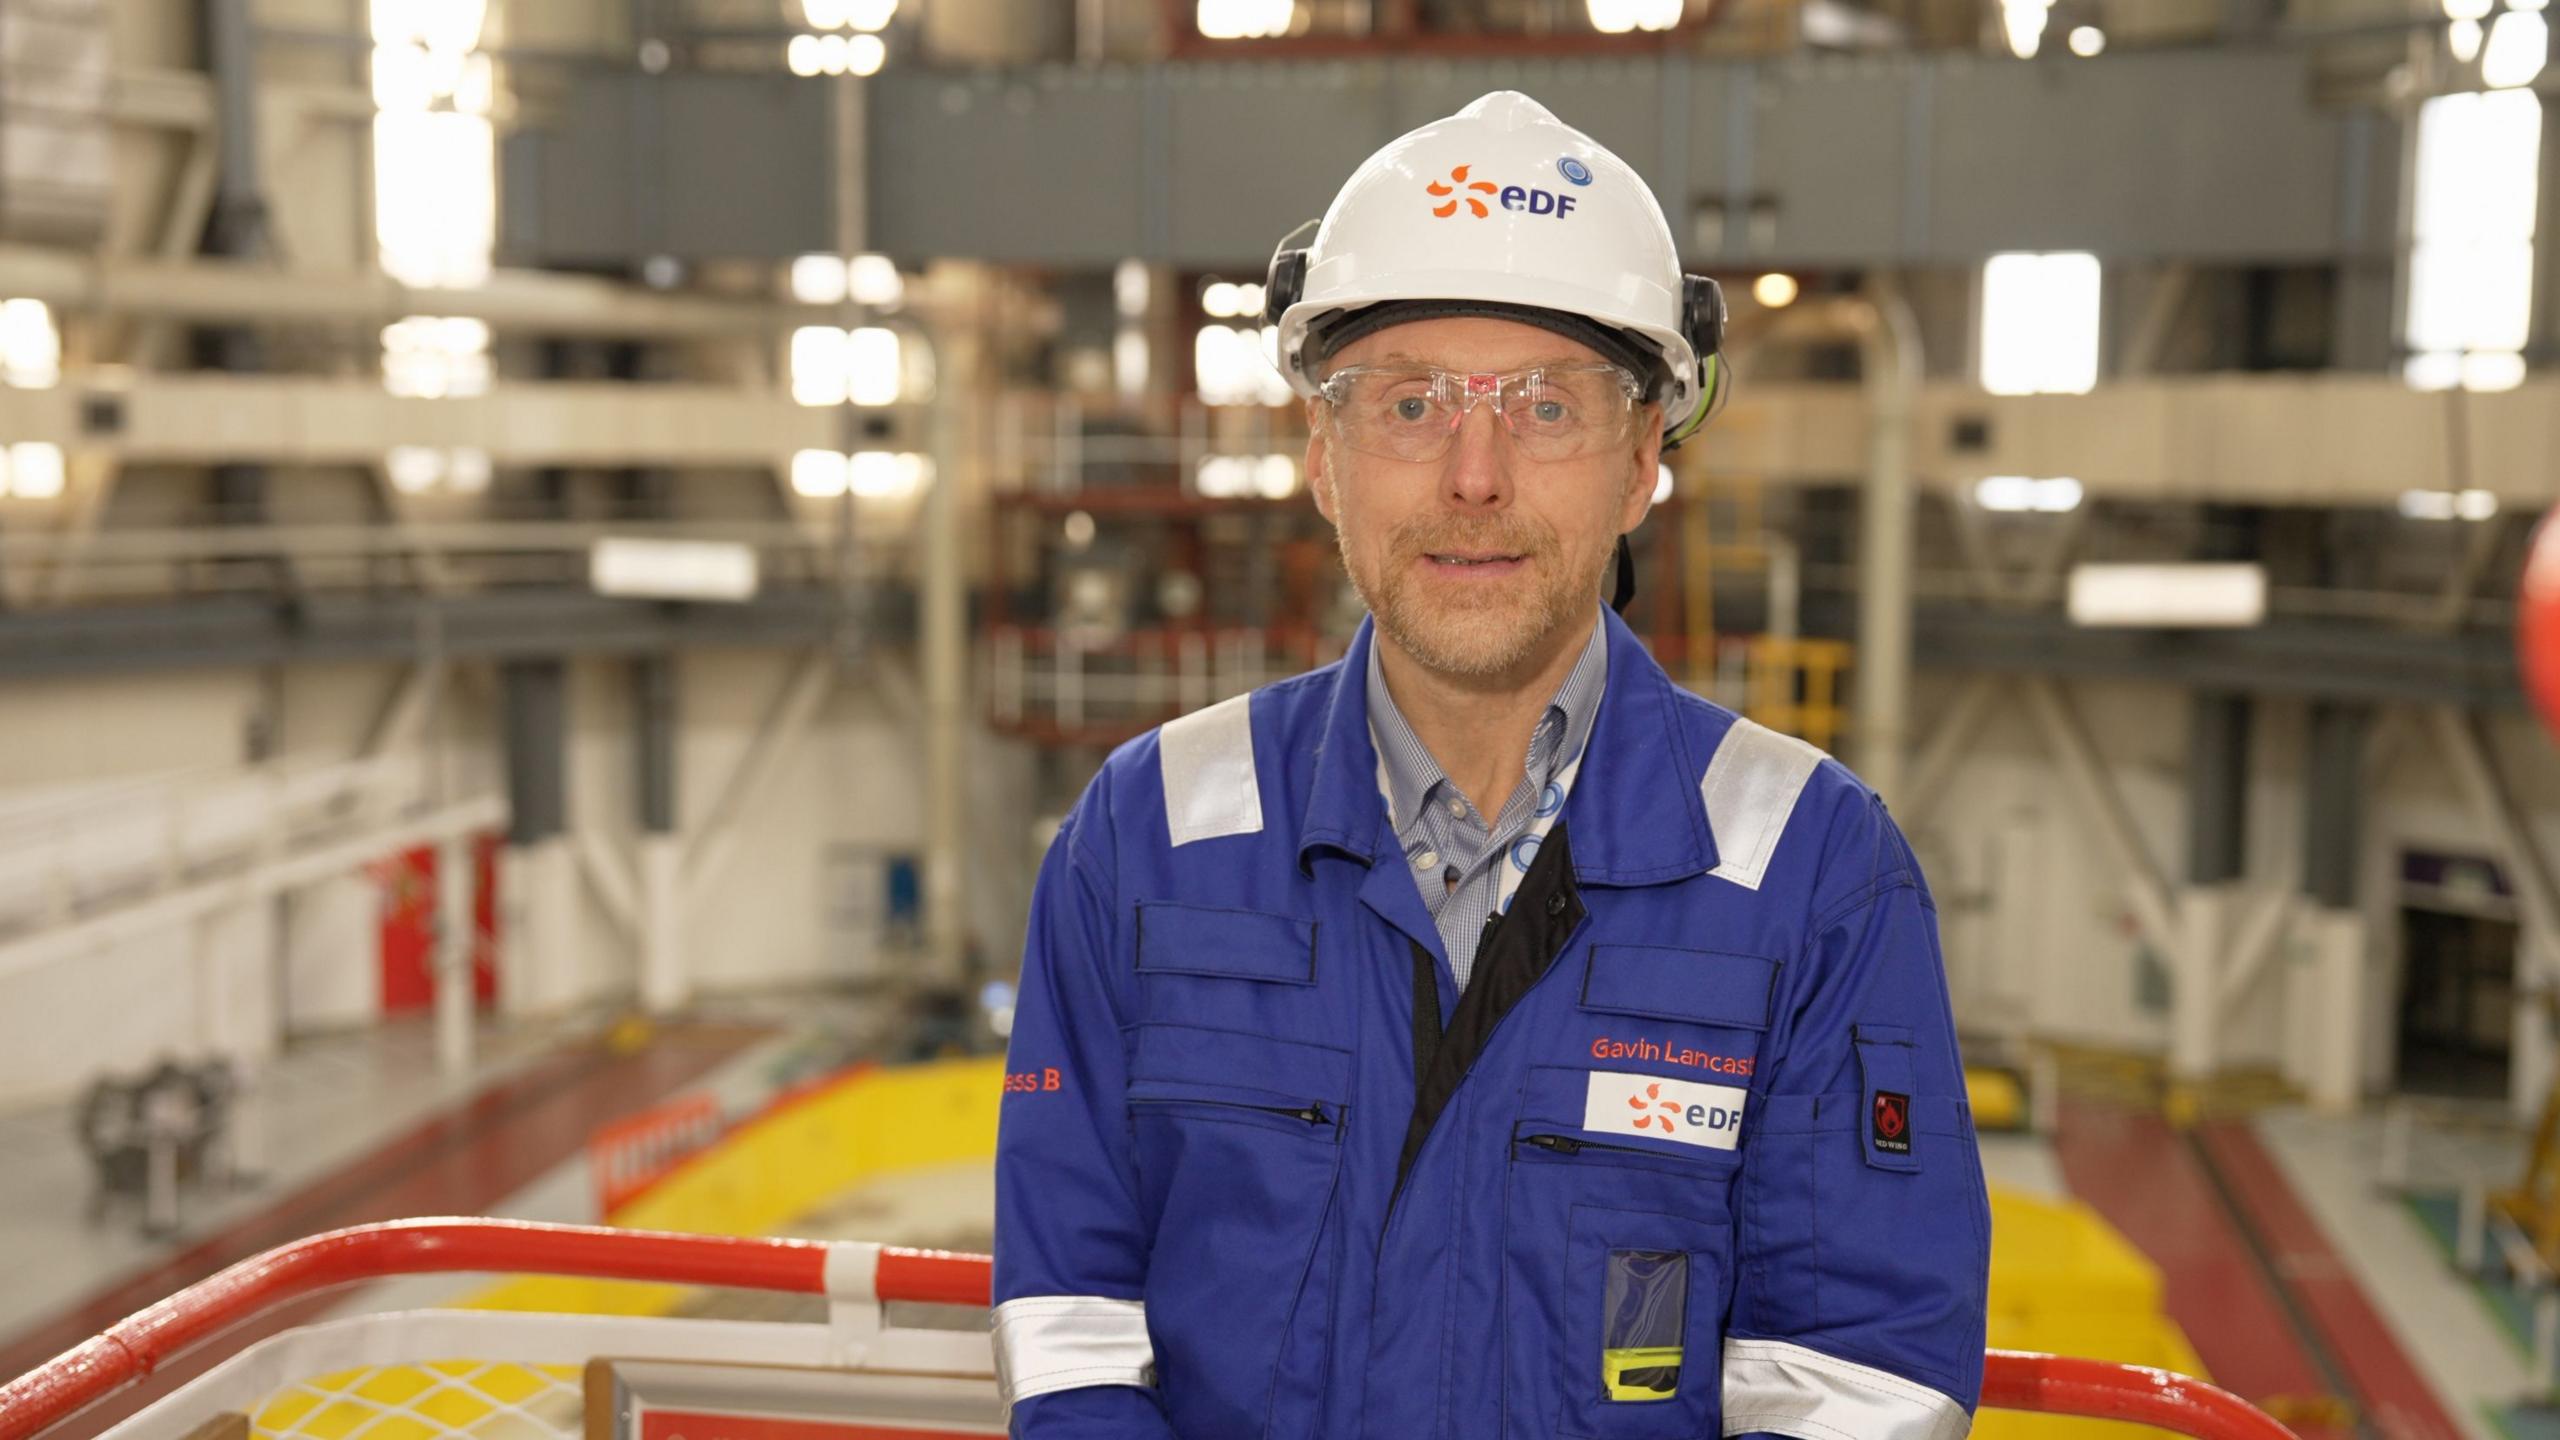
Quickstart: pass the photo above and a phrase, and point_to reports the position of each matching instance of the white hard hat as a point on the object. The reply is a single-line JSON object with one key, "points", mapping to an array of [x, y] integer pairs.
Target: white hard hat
{"points": [[1503, 210]]}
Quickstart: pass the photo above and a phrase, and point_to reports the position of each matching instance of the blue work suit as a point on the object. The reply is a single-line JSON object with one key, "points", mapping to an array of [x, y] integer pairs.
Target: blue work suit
{"points": [[1689, 1157]]}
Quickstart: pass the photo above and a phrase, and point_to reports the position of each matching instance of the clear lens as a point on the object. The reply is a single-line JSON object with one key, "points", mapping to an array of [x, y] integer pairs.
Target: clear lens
{"points": [[1555, 412]]}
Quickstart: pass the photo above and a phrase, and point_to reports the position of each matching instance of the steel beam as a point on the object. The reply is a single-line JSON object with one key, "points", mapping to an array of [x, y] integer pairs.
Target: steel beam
{"points": [[536, 708], [785, 723], [2333, 787], [2155, 908], [2217, 787]]}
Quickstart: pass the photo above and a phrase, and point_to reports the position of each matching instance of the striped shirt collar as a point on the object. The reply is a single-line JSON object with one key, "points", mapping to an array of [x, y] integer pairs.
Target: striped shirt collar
{"points": [[1411, 770]]}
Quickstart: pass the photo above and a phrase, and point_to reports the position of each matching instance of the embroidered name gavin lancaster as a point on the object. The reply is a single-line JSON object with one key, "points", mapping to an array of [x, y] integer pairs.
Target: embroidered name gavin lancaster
{"points": [[1671, 1053]]}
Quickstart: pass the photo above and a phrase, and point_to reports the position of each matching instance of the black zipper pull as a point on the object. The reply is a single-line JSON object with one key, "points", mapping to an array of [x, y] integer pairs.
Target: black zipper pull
{"points": [[1313, 1115], [1562, 1145]]}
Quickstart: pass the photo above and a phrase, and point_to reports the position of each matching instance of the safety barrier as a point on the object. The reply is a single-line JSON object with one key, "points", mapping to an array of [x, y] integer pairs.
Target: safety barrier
{"points": [[455, 1373]]}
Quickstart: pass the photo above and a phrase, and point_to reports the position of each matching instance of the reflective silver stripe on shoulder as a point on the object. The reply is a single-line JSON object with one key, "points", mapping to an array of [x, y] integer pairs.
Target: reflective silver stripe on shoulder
{"points": [[1209, 786], [1774, 1388], [1066, 1342], [1751, 788]]}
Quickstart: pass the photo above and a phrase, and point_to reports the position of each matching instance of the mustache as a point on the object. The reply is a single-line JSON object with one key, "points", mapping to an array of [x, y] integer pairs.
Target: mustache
{"points": [[1508, 534]]}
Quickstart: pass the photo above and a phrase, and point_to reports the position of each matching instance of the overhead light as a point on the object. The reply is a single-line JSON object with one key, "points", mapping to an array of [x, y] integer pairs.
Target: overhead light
{"points": [[2022, 22], [818, 279], [865, 54], [2448, 505], [2018, 494], [1079, 529], [818, 474], [826, 14], [650, 569], [414, 469], [30, 346], [2198, 596], [1244, 19], [1129, 356], [467, 471], [1230, 367], [1129, 289], [2462, 37], [35, 470], [874, 374], [874, 280], [802, 55], [2087, 41], [819, 365], [1617, 17], [871, 14], [1276, 477], [887, 475], [2040, 324], [2518, 44], [1775, 290], [1236, 477]]}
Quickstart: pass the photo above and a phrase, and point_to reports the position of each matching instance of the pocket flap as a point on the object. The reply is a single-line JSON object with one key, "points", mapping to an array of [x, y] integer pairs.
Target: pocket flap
{"points": [[1237, 944], [1192, 1055], [1709, 987]]}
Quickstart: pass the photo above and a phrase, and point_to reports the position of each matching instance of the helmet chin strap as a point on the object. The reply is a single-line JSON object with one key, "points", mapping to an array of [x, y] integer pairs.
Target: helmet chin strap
{"points": [[1623, 589]]}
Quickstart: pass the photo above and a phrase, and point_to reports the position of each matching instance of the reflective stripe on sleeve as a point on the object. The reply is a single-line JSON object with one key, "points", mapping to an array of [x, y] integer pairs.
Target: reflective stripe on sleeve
{"points": [[1753, 782], [1207, 761], [1066, 1342], [1772, 1387]]}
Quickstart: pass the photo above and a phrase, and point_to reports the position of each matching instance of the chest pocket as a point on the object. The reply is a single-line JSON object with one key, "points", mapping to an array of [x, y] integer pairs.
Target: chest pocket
{"points": [[1698, 987], [1235, 1131]]}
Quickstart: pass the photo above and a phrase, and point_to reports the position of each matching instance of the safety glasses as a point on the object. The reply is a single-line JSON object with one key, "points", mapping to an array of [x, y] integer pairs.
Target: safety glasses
{"points": [[1551, 412]]}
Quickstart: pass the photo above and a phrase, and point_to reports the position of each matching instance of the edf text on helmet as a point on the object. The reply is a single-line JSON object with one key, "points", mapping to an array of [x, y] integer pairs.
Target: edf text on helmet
{"points": [[1536, 201]]}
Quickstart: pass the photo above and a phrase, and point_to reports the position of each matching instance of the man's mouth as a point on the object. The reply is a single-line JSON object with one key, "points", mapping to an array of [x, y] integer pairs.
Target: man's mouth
{"points": [[1470, 557]]}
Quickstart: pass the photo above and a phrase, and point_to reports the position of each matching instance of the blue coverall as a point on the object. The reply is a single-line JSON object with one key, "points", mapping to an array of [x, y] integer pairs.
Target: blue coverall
{"points": [[1689, 1157]]}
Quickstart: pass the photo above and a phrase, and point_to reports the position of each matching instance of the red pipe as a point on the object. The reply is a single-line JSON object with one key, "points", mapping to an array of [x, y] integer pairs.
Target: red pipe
{"points": [[133, 1349]]}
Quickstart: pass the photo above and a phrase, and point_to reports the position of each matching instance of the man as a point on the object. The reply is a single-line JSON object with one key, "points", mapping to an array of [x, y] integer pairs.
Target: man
{"points": [[1482, 1036]]}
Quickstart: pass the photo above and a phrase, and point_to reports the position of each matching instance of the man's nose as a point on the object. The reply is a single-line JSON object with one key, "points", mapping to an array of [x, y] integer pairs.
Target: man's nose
{"points": [[1478, 470]]}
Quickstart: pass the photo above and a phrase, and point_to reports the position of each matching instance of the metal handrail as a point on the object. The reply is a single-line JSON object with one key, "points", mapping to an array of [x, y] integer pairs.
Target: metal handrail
{"points": [[128, 1352]]}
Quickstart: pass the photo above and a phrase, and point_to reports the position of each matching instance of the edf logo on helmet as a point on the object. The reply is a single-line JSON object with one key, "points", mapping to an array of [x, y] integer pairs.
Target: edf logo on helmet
{"points": [[1509, 197]]}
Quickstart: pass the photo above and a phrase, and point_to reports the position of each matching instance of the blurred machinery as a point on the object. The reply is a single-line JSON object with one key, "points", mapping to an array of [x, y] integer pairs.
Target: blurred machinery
{"points": [[156, 1137]]}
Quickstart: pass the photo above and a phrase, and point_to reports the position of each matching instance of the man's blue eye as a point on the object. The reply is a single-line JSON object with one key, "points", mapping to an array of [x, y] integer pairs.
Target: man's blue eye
{"points": [[1547, 412], [1412, 407]]}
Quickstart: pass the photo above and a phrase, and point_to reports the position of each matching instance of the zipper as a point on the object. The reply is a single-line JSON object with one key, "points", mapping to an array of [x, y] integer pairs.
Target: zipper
{"points": [[1309, 1115], [1568, 1145]]}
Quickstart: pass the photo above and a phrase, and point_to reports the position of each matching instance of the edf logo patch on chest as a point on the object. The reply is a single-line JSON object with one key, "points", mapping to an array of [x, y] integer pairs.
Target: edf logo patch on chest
{"points": [[1707, 1116]]}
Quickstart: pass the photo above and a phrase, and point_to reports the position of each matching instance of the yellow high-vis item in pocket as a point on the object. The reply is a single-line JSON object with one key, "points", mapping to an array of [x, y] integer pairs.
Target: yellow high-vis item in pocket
{"points": [[1645, 1373]]}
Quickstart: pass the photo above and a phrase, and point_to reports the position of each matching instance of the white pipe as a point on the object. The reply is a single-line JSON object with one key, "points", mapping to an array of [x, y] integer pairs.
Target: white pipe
{"points": [[1890, 360], [455, 992], [944, 643], [208, 290]]}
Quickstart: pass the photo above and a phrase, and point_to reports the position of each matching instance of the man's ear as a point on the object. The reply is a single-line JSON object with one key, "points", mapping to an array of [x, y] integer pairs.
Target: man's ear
{"points": [[1645, 472], [1320, 464]]}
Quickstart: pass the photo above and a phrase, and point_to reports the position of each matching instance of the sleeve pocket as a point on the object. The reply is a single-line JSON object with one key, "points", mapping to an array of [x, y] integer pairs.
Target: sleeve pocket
{"points": [[1885, 1070], [1236, 944], [1709, 987]]}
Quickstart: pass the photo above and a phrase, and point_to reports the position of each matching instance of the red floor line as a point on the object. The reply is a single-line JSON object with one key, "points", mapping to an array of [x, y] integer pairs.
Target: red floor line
{"points": [[2390, 1391], [2139, 1175], [462, 1162]]}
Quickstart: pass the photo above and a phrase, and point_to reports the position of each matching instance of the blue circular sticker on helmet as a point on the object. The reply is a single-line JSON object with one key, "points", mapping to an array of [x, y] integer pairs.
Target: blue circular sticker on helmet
{"points": [[1574, 170], [1550, 800], [1524, 850]]}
